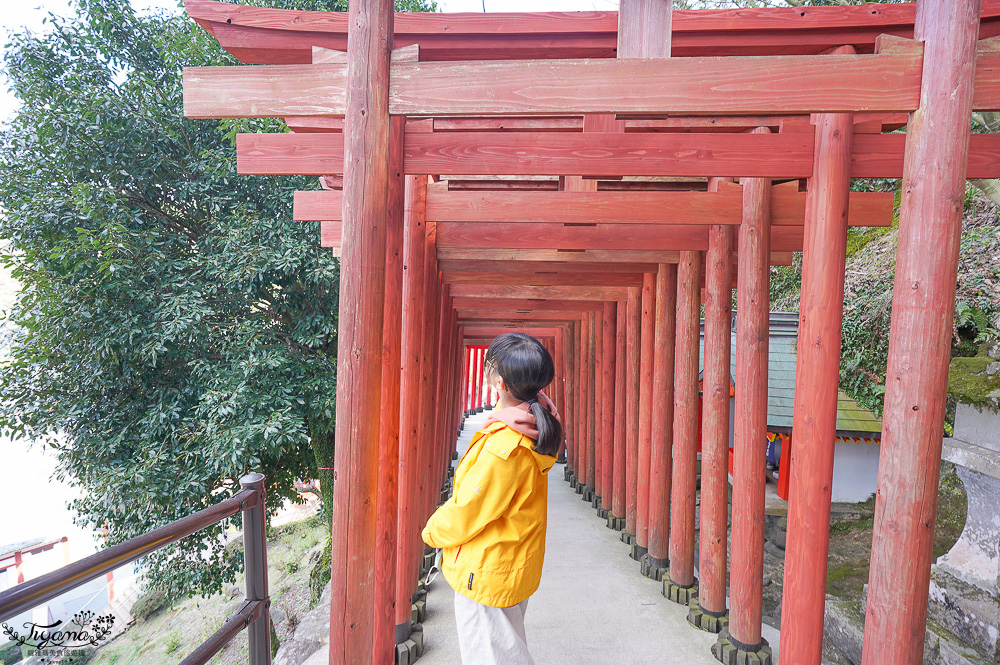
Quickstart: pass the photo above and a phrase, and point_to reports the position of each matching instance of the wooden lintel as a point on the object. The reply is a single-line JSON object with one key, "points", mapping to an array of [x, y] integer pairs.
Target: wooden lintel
{"points": [[524, 306], [694, 86], [527, 278], [600, 293], [874, 155]]}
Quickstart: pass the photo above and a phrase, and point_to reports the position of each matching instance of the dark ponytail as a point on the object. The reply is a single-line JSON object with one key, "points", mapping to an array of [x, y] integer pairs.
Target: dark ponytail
{"points": [[526, 368]]}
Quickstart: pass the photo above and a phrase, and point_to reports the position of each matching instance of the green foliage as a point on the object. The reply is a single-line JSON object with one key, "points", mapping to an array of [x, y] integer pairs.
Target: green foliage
{"points": [[176, 328], [11, 653], [172, 643], [149, 604]]}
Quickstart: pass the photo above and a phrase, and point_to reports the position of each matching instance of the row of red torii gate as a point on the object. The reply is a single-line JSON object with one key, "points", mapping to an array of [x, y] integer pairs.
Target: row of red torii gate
{"points": [[594, 179]]}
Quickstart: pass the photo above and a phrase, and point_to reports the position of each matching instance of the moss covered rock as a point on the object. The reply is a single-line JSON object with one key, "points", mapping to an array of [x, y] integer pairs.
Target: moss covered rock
{"points": [[975, 380]]}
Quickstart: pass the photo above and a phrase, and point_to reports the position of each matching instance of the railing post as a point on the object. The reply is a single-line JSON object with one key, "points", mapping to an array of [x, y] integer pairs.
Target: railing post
{"points": [[255, 570]]}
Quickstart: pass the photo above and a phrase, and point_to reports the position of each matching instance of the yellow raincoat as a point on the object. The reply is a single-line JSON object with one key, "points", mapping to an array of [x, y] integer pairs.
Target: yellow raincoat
{"points": [[492, 529]]}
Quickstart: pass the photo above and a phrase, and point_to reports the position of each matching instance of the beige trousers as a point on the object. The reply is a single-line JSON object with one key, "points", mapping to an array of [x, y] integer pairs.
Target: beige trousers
{"points": [[491, 635]]}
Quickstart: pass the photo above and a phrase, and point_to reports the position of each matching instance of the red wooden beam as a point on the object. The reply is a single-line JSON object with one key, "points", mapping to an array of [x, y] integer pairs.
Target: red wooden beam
{"points": [[542, 279], [544, 267], [544, 153], [541, 153], [607, 398], [746, 586], [618, 499], [715, 429], [920, 338], [359, 358], [582, 258], [272, 36], [648, 320], [685, 429], [633, 347], [525, 305], [410, 416], [661, 443], [387, 544], [595, 293], [817, 377]]}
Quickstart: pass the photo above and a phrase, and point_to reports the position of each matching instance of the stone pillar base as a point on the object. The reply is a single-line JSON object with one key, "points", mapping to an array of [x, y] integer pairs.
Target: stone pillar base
{"points": [[654, 569], [637, 551], [681, 595], [595, 501], [616, 523], [627, 538], [411, 647], [603, 513], [710, 622], [733, 653], [572, 480], [588, 494]]}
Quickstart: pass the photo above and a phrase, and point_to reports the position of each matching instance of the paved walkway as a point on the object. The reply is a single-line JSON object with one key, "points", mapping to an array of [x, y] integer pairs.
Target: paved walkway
{"points": [[592, 608]]}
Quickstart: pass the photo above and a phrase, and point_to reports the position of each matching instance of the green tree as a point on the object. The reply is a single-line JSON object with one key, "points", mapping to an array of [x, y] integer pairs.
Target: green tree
{"points": [[176, 329]]}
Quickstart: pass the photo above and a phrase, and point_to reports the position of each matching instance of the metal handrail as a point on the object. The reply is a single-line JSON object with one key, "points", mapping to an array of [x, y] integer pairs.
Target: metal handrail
{"points": [[253, 615]]}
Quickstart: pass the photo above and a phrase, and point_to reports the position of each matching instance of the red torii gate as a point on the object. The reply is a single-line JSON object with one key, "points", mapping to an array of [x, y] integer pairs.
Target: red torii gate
{"points": [[640, 116]]}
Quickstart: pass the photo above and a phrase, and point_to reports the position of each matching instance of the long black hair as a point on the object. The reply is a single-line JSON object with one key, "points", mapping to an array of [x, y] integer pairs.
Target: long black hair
{"points": [[526, 367]]}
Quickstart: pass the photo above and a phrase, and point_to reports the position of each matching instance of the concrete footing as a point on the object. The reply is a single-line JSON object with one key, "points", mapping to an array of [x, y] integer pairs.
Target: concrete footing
{"points": [[637, 551], [703, 619], [725, 651], [595, 501], [408, 650], [652, 569], [681, 595], [616, 523]]}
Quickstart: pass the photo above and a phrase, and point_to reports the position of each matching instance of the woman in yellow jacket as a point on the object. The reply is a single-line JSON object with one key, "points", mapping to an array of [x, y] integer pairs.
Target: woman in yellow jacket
{"points": [[492, 530]]}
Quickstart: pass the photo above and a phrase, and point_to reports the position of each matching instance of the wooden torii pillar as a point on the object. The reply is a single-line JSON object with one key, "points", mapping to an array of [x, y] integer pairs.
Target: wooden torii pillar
{"points": [[680, 586], [709, 612], [817, 379], [359, 348], [937, 143], [752, 330]]}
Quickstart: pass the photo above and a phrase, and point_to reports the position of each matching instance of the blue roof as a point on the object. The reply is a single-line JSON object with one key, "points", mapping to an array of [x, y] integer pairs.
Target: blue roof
{"points": [[782, 343]]}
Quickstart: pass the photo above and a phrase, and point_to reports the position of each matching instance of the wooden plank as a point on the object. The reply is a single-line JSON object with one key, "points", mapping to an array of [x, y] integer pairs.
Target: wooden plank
{"points": [[544, 267], [494, 330], [573, 257], [510, 314], [559, 236], [605, 153], [675, 208], [546, 292], [525, 306], [595, 154], [265, 91], [881, 156], [737, 85], [536, 279], [318, 206]]}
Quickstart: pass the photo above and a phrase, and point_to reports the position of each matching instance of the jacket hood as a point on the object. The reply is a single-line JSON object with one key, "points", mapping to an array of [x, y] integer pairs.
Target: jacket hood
{"points": [[520, 419]]}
